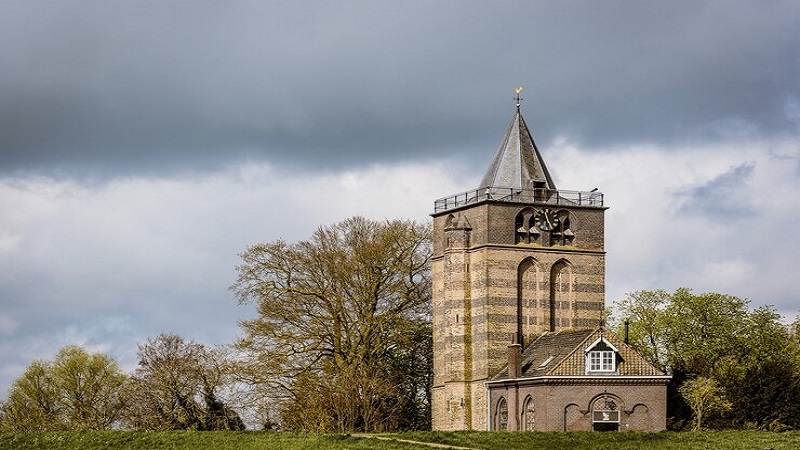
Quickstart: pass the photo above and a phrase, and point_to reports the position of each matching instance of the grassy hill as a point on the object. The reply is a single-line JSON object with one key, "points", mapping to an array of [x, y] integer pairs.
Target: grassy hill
{"points": [[252, 440]]}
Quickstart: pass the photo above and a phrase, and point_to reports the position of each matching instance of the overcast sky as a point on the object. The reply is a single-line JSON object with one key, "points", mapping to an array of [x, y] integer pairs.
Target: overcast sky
{"points": [[144, 144]]}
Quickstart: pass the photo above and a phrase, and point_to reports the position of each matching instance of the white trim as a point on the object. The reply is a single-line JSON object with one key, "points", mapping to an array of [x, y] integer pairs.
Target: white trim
{"points": [[601, 361], [580, 377], [488, 406], [603, 339]]}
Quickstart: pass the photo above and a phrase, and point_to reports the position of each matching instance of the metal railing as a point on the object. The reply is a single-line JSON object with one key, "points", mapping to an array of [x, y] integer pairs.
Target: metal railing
{"points": [[516, 195]]}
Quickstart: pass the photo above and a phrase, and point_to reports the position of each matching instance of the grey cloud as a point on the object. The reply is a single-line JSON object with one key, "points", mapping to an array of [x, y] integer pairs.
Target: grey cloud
{"points": [[726, 197], [153, 86], [333, 96]]}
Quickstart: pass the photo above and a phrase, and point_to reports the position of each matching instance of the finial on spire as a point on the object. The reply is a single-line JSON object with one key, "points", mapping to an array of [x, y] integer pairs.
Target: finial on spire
{"points": [[517, 98]]}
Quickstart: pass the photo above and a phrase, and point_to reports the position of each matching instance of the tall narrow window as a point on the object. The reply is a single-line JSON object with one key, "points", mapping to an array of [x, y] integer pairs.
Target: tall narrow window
{"points": [[525, 232], [561, 296], [501, 417], [527, 298], [529, 415]]}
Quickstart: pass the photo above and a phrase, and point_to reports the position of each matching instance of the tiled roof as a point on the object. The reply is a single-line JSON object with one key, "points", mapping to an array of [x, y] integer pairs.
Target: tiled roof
{"points": [[562, 353]]}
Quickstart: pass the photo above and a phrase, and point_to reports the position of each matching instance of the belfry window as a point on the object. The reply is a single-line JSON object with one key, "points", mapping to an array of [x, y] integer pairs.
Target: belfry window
{"points": [[525, 232]]}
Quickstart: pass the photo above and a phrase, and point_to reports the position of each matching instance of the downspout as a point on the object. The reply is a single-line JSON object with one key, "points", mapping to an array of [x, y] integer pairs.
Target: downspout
{"points": [[488, 408]]}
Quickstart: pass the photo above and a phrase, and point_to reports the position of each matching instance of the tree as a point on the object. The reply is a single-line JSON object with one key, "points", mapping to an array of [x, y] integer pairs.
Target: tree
{"points": [[749, 355], [335, 314], [648, 334], [177, 387], [703, 329], [76, 391], [704, 396], [762, 374]]}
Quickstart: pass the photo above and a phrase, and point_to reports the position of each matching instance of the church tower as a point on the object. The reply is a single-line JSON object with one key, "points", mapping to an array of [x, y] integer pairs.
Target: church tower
{"points": [[512, 259]]}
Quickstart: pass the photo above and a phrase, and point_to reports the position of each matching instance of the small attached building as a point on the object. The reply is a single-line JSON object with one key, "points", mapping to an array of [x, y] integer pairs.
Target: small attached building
{"points": [[577, 380]]}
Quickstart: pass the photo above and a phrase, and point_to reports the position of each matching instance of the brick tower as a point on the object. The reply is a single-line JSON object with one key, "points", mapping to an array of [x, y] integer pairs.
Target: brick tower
{"points": [[512, 259]]}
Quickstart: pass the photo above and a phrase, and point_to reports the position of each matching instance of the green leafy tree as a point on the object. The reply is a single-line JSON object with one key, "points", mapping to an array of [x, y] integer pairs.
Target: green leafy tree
{"points": [[761, 373], [336, 316], [644, 312], [76, 391], [704, 396], [33, 402], [177, 387], [749, 354], [702, 330]]}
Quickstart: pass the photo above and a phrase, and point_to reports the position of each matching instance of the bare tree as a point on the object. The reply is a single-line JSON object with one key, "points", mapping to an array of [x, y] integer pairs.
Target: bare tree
{"points": [[332, 311], [177, 385]]}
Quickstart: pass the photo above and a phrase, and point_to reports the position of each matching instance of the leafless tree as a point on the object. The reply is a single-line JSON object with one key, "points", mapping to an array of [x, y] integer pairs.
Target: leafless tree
{"points": [[335, 313], [177, 386]]}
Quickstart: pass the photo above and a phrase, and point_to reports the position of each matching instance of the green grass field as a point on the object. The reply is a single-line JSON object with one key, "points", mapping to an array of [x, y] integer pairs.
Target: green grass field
{"points": [[176, 440]]}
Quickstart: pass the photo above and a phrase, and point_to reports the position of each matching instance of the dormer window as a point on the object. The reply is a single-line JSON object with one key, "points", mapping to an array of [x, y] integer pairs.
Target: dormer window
{"points": [[601, 357], [601, 361]]}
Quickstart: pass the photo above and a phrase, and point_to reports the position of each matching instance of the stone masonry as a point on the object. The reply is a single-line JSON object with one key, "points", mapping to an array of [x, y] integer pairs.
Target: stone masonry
{"points": [[489, 287]]}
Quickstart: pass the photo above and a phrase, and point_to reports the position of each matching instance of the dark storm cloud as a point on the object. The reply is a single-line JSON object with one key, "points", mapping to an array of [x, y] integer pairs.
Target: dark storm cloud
{"points": [[207, 124], [153, 86]]}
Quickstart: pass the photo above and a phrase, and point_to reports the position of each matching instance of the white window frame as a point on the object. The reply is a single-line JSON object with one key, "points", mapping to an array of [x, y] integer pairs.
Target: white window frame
{"points": [[601, 361]]}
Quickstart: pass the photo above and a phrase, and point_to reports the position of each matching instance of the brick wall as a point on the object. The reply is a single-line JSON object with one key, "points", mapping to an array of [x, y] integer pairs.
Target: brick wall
{"points": [[564, 405], [488, 286]]}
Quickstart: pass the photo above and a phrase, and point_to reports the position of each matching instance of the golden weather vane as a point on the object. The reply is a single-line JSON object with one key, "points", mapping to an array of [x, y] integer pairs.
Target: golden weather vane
{"points": [[517, 98]]}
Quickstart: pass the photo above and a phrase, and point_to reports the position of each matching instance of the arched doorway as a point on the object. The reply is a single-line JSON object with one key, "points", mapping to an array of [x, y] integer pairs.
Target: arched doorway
{"points": [[605, 414]]}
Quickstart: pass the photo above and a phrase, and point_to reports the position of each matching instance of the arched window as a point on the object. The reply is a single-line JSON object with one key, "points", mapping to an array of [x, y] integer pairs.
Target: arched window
{"points": [[501, 415], [529, 414], [561, 295], [449, 222], [527, 299], [562, 234], [525, 231]]}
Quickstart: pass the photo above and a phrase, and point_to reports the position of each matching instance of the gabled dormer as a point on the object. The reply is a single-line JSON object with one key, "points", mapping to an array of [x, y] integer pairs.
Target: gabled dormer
{"points": [[602, 357]]}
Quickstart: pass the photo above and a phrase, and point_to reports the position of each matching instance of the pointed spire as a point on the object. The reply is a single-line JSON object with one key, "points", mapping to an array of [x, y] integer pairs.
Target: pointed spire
{"points": [[518, 163]]}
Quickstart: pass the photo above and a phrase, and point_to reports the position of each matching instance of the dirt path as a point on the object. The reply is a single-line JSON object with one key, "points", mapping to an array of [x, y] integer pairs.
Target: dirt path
{"points": [[408, 441]]}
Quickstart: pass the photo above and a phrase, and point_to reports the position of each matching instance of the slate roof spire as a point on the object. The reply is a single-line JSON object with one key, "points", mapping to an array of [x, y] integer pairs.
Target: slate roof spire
{"points": [[518, 163]]}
